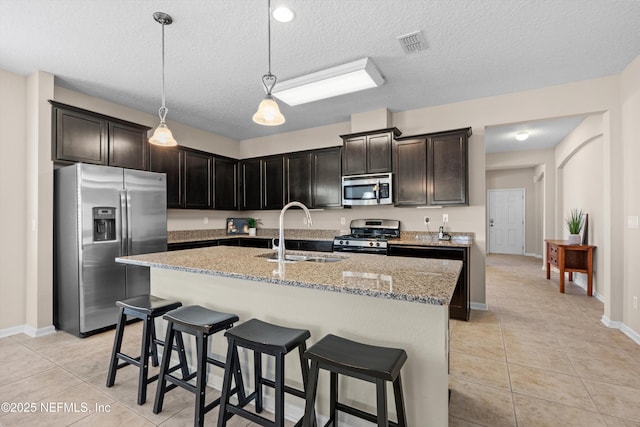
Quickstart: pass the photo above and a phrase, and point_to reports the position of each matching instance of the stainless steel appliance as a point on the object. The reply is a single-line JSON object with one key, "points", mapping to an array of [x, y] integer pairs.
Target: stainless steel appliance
{"points": [[101, 213], [368, 236], [372, 189]]}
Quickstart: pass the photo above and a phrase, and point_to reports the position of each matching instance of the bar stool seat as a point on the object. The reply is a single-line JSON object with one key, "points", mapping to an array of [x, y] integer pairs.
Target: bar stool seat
{"points": [[262, 338], [200, 322], [366, 362], [147, 308]]}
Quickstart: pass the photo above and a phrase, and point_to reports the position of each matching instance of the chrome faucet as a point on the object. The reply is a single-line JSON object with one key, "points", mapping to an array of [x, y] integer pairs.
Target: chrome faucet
{"points": [[280, 247]]}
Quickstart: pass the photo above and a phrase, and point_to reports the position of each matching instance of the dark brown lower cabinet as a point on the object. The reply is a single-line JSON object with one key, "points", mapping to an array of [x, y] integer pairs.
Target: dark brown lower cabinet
{"points": [[460, 305]]}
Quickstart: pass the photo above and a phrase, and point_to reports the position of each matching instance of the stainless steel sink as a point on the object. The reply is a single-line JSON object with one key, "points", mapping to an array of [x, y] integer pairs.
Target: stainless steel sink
{"points": [[295, 258], [323, 259]]}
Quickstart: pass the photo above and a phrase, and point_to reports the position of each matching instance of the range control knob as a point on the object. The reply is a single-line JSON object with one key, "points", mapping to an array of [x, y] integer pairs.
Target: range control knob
{"points": [[342, 242], [370, 243], [378, 244]]}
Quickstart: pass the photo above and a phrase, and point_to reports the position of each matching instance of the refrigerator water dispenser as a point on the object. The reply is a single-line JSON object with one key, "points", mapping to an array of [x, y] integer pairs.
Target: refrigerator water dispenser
{"points": [[104, 224]]}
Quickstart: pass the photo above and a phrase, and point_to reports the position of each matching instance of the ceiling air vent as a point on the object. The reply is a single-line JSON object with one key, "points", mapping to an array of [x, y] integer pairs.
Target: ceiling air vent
{"points": [[412, 42]]}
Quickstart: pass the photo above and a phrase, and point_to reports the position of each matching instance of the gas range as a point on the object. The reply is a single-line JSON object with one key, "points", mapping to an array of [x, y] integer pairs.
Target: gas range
{"points": [[368, 236]]}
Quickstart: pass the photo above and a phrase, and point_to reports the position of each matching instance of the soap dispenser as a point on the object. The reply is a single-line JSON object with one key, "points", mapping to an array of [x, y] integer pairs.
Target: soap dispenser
{"points": [[441, 233]]}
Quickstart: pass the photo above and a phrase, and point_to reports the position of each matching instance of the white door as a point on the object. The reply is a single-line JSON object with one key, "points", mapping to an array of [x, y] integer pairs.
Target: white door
{"points": [[506, 221]]}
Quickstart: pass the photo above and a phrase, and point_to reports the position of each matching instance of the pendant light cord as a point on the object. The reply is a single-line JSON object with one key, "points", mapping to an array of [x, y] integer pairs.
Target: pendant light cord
{"points": [[269, 80], [163, 109], [269, 31]]}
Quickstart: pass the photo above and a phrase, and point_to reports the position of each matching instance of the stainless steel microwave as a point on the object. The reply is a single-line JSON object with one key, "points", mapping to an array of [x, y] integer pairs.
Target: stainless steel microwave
{"points": [[372, 189]]}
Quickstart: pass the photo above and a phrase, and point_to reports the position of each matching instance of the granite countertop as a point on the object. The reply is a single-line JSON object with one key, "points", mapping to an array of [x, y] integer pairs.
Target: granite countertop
{"points": [[428, 281]]}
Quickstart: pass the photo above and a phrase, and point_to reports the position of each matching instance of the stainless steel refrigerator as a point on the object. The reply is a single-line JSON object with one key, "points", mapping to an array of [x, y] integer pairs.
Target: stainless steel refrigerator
{"points": [[101, 213]]}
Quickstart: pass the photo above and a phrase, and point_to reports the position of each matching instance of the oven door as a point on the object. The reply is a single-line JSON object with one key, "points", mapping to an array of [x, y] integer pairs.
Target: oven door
{"points": [[367, 190]]}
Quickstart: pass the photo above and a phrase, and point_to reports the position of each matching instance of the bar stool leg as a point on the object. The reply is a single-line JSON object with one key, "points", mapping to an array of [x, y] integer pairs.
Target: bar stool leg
{"points": [[381, 400], [400, 410], [201, 345], [117, 345], [166, 358], [181, 354], [279, 391], [144, 360], [257, 363], [230, 363], [310, 395], [154, 345], [333, 397]]}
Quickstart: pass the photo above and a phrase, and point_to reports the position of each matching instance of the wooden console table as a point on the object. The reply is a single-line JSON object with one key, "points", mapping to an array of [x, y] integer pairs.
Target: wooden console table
{"points": [[571, 258]]}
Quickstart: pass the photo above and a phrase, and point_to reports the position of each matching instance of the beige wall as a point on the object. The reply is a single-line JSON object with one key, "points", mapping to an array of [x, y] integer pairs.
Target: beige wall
{"points": [[13, 198], [630, 101], [507, 179], [580, 186]]}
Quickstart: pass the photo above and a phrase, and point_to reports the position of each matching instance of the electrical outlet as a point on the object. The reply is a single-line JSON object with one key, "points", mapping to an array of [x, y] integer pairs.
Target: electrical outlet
{"points": [[427, 219], [206, 220], [445, 218], [635, 303], [343, 220]]}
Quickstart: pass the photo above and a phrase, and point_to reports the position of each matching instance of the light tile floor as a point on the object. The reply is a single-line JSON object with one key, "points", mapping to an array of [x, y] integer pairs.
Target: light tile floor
{"points": [[540, 358], [536, 358]]}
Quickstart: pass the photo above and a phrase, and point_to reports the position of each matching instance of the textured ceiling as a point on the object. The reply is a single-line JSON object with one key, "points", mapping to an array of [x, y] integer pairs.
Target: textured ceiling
{"points": [[216, 51]]}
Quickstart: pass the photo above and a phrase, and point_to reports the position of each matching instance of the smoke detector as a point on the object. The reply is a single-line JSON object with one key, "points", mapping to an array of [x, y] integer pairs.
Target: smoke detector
{"points": [[412, 42]]}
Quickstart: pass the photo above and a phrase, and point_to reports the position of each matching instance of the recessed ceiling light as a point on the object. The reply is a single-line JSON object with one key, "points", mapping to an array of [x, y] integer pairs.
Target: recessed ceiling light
{"points": [[283, 14], [522, 136]]}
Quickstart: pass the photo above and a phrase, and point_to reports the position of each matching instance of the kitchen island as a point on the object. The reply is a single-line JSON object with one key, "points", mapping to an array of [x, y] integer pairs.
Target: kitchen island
{"points": [[389, 301]]}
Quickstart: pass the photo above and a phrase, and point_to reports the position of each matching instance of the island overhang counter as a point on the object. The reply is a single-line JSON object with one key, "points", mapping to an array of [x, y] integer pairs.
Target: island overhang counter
{"points": [[388, 301]]}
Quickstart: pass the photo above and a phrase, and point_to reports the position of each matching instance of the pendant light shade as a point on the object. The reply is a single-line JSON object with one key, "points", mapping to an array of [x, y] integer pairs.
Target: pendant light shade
{"points": [[268, 113], [162, 135]]}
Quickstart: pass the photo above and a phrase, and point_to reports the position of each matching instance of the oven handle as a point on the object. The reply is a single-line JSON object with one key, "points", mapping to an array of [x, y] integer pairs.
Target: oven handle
{"points": [[378, 192]]}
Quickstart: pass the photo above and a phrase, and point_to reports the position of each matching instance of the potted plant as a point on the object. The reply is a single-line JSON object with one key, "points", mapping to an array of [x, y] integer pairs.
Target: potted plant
{"points": [[575, 221], [253, 225]]}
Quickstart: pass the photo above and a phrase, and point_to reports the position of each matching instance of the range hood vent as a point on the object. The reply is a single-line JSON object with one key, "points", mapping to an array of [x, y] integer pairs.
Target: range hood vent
{"points": [[412, 42]]}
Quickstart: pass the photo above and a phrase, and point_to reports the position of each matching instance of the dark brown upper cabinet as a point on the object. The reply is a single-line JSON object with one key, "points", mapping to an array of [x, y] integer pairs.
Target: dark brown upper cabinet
{"points": [[298, 180], [250, 191], [432, 169], [326, 179], [447, 168], [314, 177], [368, 152], [169, 160], [225, 195], [410, 172], [198, 168], [273, 182], [80, 135]]}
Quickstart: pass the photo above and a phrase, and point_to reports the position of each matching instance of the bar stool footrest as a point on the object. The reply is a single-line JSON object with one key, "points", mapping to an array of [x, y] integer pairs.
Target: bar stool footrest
{"points": [[358, 413]]}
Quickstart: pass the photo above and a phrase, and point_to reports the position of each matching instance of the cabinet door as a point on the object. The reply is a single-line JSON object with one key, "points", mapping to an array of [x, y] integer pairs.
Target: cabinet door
{"points": [[447, 172], [379, 153], [273, 182], [299, 178], [250, 184], [197, 181], [327, 179], [170, 161], [128, 146], [225, 195], [80, 137], [355, 156], [410, 172]]}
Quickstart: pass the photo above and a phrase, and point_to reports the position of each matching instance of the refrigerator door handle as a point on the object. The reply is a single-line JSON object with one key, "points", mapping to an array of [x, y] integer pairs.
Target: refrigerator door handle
{"points": [[124, 223], [129, 228]]}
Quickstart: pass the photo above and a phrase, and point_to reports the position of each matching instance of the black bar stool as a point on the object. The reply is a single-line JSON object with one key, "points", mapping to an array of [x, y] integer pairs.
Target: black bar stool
{"points": [[147, 308], [366, 362], [201, 323], [262, 338]]}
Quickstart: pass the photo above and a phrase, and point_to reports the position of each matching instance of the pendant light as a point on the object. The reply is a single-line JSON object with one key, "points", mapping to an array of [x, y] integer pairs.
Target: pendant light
{"points": [[268, 113], [162, 135]]}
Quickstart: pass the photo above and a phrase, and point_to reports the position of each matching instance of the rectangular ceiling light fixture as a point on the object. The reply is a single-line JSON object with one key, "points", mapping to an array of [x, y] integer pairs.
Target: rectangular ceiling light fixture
{"points": [[346, 78]]}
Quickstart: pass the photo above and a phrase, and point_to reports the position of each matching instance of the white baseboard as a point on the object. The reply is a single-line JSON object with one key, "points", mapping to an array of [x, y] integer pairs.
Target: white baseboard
{"points": [[533, 255], [598, 296], [479, 306], [27, 330], [630, 333], [614, 324]]}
